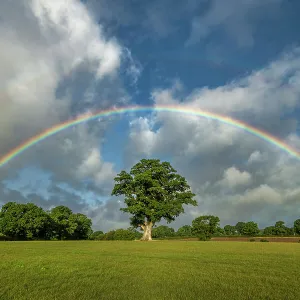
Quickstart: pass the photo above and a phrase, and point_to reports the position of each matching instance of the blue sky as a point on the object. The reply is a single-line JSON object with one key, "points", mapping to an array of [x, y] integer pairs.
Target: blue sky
{"points": [[240, 58]]}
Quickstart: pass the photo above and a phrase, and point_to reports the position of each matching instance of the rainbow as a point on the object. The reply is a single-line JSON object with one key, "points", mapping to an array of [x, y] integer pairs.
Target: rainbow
{"points": [[160, 108]]}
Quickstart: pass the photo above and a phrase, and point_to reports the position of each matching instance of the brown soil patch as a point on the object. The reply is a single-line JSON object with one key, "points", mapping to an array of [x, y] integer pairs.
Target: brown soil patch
{"points": [[257, 239]]}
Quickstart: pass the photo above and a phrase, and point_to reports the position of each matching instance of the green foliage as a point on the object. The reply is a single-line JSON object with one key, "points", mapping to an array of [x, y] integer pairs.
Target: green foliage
{"points": [[96, 235], [252, 240], [124, 234], [239, 227], [230, 230], [264, 240], [185, 231], [297, 226], [219, 231], [203, 237], [153, 191], [137, 234], [250, 229], [24, 221], [280, 229], [268, 231], [205, 226], [30, 222], [109, 236], [163, 231]]}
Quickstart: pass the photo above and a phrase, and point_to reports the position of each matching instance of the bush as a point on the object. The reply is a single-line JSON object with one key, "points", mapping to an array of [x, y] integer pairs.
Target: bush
{"points": [[252, 240], [97, 235], [204, 237], [5, 238], [264, 240], [124, 235], [109, 236]]}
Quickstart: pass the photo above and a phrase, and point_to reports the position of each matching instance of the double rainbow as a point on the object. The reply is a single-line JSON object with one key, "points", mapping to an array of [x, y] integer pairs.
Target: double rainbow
{"points": [[163, 108]]}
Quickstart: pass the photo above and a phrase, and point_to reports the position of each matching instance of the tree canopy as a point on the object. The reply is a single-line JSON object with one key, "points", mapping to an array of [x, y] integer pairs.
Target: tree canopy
{"points": [[28, 221], [205, 226], [153, 191]]}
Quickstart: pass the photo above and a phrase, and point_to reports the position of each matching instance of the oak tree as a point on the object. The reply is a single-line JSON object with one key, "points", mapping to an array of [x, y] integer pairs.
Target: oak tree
{"points": [[153, 191]]}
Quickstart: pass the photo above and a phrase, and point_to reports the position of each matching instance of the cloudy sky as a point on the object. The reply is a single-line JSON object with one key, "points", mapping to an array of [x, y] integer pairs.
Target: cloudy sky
{"points": [[240, 58]]}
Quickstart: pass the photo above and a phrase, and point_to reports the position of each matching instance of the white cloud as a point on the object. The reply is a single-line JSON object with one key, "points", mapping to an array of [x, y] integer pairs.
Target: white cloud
{"points": [[234, 177], [45, 47], [232, 172], [255, 156]]}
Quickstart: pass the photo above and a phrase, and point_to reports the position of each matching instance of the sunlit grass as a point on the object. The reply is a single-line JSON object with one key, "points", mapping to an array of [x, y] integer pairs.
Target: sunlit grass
{"points": [[141, 270]]}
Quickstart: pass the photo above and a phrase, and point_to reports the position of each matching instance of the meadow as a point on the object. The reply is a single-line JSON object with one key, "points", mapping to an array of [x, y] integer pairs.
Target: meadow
{"points": [[149, 270]]}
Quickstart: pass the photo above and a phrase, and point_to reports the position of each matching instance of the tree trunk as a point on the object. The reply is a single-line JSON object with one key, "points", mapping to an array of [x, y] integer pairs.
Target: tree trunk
{"points": [[147, 236]]}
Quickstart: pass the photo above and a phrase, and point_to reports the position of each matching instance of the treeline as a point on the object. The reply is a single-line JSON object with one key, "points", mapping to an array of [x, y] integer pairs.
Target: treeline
{"points": [[30, 222], [204, 228]]}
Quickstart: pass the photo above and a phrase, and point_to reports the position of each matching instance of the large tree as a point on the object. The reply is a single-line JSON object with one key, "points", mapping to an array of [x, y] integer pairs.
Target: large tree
{"points": [[153, 191]]}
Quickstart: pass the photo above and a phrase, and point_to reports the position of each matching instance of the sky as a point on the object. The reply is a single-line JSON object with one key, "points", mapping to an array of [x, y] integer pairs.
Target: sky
{"points": [[239, 58]]}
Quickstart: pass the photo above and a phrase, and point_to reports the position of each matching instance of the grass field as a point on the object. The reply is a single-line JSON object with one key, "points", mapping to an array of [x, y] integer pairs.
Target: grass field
{"points": [[141, 270]]}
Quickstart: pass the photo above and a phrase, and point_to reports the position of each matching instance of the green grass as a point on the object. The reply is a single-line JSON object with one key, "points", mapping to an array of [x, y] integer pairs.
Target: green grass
{"points": [[141, 270]]}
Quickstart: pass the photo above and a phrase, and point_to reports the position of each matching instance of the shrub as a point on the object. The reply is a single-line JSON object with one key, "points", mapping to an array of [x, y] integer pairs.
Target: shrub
{"points": [[5, 238], [109, 236], [124, 235], [97, 235], [252, 240], [264, 240], [204, 237]]}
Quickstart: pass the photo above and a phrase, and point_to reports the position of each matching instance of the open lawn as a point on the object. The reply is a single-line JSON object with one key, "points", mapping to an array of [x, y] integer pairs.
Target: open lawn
{"points": [[149, 270]]}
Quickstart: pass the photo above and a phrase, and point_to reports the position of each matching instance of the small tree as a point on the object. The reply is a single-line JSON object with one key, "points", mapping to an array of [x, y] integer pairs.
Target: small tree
{"points": [[280, 228], [153, 191], [205, 226], [250, 229]]}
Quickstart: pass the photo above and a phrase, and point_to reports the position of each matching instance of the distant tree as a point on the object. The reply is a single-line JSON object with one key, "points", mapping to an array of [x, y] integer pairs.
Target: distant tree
{"points": [[280, 229], [69, 225], [153, 191], [219, 231], [230, 230], [250, 229], [96, 235], [137, 234], [205, 226], [109, 236], [239, 227], [290, 231], [163, 232], [79, 226], [270, 230], [185, 231], [63, 228], [297, 226], [24, 221]]}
